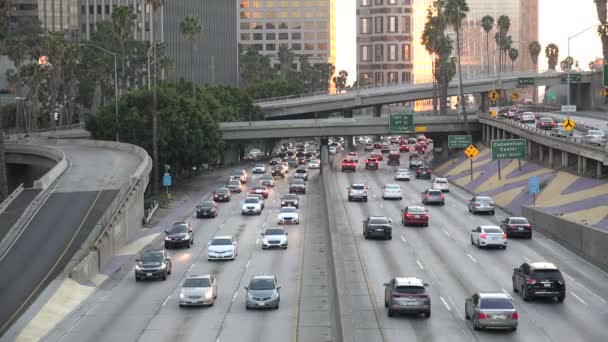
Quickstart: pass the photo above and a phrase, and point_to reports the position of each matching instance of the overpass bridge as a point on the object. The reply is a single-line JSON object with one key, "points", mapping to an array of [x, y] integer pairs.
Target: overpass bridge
{"points": [[376, 97]]}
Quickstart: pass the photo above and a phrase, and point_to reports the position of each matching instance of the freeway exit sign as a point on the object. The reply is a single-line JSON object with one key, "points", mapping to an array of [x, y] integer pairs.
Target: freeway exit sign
{"points": [[509, 149], [459, 141], [525, 81], [573, 78], [401, 123]]}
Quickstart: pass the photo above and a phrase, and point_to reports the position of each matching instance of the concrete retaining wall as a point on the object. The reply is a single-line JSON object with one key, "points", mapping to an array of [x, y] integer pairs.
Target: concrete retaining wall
{"points": [[46, 152], [586, 241]]}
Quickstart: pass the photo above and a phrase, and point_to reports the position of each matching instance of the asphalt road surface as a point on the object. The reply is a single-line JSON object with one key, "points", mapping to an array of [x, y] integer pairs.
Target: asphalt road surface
{"points": [[443, 256]]}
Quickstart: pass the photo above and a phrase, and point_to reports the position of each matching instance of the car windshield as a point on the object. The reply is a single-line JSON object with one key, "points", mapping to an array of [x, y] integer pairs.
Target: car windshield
{"points": [[261, 284], [197, 282], [237, 175], [441, 180], [266, 177], [222, 191], [259, 165], [546, 275], [300, 171], [392, 186], [483, 199], [595, 132], [519, 221], [403, 171], [495, 304], [221, 242], [234, 182], [274, 231], [179, 229], [251, 200], [207, 205], [378, 220], [151, 257], [546, 120], [416, 210], [288, 210], [297, 181], [358, 187], [259, 187], [434, 193], [410, 289], [290, 197], [493, 230]]}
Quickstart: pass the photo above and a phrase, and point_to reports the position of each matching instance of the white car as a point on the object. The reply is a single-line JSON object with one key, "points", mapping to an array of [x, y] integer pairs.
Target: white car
{"points": [[314, 164], [259, 168], [251, 206], [274, 238], [289, 215], [528, 117], [402, 174], [222, 248], [392, 191], [441, 184], [353, 156], [485, 236], [332, 150]]}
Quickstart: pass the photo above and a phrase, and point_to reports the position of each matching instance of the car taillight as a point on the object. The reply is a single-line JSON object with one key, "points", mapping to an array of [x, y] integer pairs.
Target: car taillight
{"points": [[504, 236], [530, 281], [515, 315], [428, 196], [396, 295], [482, 316], [422, 295], [483, 235], [530, 227], [408, 215], [477, 205], [425, 216], [512, 227], [442, 196]]}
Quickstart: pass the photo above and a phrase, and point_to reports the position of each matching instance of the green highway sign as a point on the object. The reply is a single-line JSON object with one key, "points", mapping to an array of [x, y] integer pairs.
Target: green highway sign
{"points": [[509, 149], [605, 75], [525, 81], [459, 141], [552, 96], [573, 78], [401, 123]]}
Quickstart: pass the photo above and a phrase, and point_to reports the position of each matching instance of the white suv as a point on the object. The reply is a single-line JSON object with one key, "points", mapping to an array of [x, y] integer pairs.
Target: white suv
{"points": [[357, 191], [441, 184], [251, 206]]}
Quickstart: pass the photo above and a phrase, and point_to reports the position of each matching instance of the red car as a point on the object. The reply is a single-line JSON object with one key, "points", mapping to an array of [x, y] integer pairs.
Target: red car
{"points": [[349, 164], [545, 123], [415, 215], [377, 156], [404, 148], [419, 148], [377, 145], [260, 190], [403, 142]]}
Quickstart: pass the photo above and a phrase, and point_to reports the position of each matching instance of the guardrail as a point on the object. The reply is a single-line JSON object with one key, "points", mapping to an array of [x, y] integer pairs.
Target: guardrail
{"points": [[10, 198]]}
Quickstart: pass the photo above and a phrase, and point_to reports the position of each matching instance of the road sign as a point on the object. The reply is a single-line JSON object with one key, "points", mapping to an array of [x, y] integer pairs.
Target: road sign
{"points": [[525, 81], [604, 92], [408, 110], [515, 96], [421, 128], [459, 141], [471, 152], [569, 108], [509, 149], [401, 123], [167, 179], [569, 124], [605, 75], [573, 78], [494, 111], [494, 95], [552, 96], [534, 184]]}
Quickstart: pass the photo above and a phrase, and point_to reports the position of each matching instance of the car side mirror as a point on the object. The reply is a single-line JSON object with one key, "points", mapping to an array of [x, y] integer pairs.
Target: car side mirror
{"points": [[385, 284], [246, 288], [137, 260], [167, 259], [166, 232], [262, 234], [286, 233], [390, 220], [278, 287], [516, 270], [474, 230], [426, 284]]}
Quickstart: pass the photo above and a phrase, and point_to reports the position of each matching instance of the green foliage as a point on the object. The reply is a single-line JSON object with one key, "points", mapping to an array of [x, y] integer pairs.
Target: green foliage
{"points": [[341, 79], [487, 23], [534, 48], [275, 88], [552, 54]]}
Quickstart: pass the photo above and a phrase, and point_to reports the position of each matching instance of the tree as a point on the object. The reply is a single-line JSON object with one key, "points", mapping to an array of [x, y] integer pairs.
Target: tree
{"points": [[487, 23], [340, 80], [534, 48], [156, 4], [592, 65], [255, 67], [286, 60], [552, 54], [602, 29], [513, 54], [432, 34], [504, 23], [123, 23], [190, 29], [455, 12]]}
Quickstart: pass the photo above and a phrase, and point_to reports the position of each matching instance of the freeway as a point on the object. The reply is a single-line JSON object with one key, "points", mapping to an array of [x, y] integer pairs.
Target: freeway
{"points": [[126, 310], [443, 256]]}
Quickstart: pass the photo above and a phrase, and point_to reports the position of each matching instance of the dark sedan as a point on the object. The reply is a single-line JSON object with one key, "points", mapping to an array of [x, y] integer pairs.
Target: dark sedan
{"points": [[423, 172], [206, 209], [516, 226], [297, 186], [290, 200], [222, 195], [180, 234]]}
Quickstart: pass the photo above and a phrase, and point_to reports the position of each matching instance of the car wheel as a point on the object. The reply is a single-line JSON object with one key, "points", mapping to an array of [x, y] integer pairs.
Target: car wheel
{"points": [[390, 313], [365, 236], [472, 242], [136, 278], [469, 209], [466, 315], [530, 236], [478, 244], [166, 246], [427, 314], [247, 307], [561, 299], [492, 212], [385, 303], [514, 287], [189, 244], [350, 199], [475, 325], [389, 237], [365, 199], [524, 294], [165, 276]]}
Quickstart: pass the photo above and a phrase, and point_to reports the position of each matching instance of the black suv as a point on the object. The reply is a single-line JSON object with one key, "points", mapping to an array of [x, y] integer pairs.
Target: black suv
{"points": [[180, 234], [290, 200], [378, 226], [539, 279], [393, 158], [152, 265]]}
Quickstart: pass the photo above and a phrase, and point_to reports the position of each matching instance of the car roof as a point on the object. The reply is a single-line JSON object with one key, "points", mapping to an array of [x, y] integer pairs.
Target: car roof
{"points": [[489, 226], [357, 184], [196, 276], [153, 251], [379, 217], [262, 277], [484, 295], [441, 178], [277, 227], [517, 217], [254, 197], [543, 265], [408, 281], [415, 207], [222, 237]]}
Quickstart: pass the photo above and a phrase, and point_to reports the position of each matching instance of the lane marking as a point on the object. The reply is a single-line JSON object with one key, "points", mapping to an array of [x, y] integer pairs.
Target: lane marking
{"points": [[403, 239], [419, 264], [505, 292], [166, 300], [445, 304], [568, 276], [471, 257], [586, 289], [457, 311], [577, 297], [236, 294], [445, 232], [381, 206], [248, 262]]}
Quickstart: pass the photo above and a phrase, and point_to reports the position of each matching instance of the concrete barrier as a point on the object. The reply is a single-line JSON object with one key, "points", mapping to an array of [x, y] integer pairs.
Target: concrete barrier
{"points": [[45, 152], [10, 198], [587, 241]]}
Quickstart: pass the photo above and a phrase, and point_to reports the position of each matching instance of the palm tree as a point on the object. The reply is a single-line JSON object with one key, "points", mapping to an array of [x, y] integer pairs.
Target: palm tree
{"points": [[487, 23], [156, 4], [455, 12], [286, 59], [190, 29], [123, 22], [504, 23], [552, 54], [434, 28], [513, 54], [602, 31], [534, 48]]}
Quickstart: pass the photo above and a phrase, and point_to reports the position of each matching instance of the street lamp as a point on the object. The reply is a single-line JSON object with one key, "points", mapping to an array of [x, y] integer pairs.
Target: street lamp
{"points": [[569, 66], [115, 83], [150, 49]]}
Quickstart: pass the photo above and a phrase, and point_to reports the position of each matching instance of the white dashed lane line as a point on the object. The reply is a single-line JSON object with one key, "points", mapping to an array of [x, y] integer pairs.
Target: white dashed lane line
{"points": [[471, 257], [419, 264], [577, 297], [445, 304]]}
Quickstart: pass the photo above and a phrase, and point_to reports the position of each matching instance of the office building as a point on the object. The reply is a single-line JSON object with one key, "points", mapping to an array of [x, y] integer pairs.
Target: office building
{"points": [[306, 26]]}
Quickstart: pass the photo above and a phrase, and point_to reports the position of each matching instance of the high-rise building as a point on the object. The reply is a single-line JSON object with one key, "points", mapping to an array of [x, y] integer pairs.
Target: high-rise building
{"points": [[91, 12], [306, 26]]}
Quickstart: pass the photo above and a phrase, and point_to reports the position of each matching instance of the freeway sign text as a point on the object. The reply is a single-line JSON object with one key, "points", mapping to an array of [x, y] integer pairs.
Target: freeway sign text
{"points": [[569, 108], [525, 81], [459, 141], [401, 123], [509, 149], [573, 78]]}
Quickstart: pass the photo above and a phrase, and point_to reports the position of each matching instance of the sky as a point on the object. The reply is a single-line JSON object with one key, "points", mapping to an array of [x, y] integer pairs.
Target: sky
{"points": [[559, 19]]}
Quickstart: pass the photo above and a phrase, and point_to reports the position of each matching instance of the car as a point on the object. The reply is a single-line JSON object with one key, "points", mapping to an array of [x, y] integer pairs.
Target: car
{"points": [[423, 172], [302, 160], [263, 292], [393, 140], [378, 226], [235, 185], [349, 165], [594, 137], [561, 132], [180, 234], [377, 145], [385, 149], [332, 150], [275, 237], [516, 226], [290, 200], [222, 248], [289, 215], [259, 168], [419, 148], [431, 196], [414, 154], [415, 215], [371, 163], [539, 280], [420, 137], [392, 191], [415, 163], [260, 190], [440, 183], [368, 147], [393, 158], [297, 186], [277, 171], [285, 166], [314, 163], [267, 181], [198, 290], [353, 156], [376, 155], [404, 148], [518, 114], [153, 264], [222, 195], [491, 310], [206, 209], [545, 123], [528, 117], [488, 236], [402, 174], [260, 197], [412, 141], [482, 204], [251, 206], [510, 113], [301, 173], [241, 174], [274, 161], [293, 162], [249, 157], [357, 191], [407, 295]]}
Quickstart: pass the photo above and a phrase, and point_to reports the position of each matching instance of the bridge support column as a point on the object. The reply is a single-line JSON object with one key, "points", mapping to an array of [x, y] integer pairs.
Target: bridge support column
{"points": [[348, 113], [550, 157], [579, 165], [540, 154], [584, 165], [348, 143], [324, 151], [230, 155], [377, 111], [440, 149], [598, 169], [484, 134], [492, 135], [485, 104], [564, 159], [529, 152]]}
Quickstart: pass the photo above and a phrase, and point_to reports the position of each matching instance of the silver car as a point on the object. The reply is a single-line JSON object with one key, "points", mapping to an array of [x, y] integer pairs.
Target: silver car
{"points": [[198, 290], [407, 295], [482, 204], [491, 310], [263, 292]]}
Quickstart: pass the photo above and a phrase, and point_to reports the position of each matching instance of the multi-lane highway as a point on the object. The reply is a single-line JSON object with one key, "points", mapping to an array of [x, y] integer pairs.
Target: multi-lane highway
{"points": [[442, 255]]}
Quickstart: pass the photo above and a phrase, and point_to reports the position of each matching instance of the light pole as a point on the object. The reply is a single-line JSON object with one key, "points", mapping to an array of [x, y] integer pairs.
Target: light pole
{"points": [[115, 83], [569, 66], [150, 49]]}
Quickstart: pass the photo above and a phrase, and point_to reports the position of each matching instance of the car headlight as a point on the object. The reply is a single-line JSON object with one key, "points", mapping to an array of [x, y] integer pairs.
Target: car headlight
{"points": [[137, 267], [275, 295], [249, 295], [182, 296], [163, 265], [167, 238], [208, 295]]}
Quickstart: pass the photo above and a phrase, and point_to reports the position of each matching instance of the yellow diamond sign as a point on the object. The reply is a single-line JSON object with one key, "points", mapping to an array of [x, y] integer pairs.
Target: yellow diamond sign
{"points": [[494, 95], [471, 151], [569, 124], [604, 92]]}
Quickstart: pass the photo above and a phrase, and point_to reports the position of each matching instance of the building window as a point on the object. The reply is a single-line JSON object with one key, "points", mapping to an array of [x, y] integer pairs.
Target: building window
{"points": [[309, 36], [379, 23], [309, 26], [322, 46], [283, 36], [366, 25], [271, 47], [379, 53], [83, 10], [392, 26], [84, 28], [244, 15], [283, 3], [256, 4], [296, 25], [245, 26], [379, 78], [322, 36], [407, 24], [308, 3], [406, 77], [244, 3], [257, 26], [283, 26], [271, 36], [366, 55], [391, 2], [392, 77], [99, 9], [365, 3], [295, 14], [392, 52], [270, 26], [258, 47], [296, 35], [407, 53], [296, 46], [378, 2], [91, 9], [245, 36], [258, 36], [108, 9], [309, 46]]}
